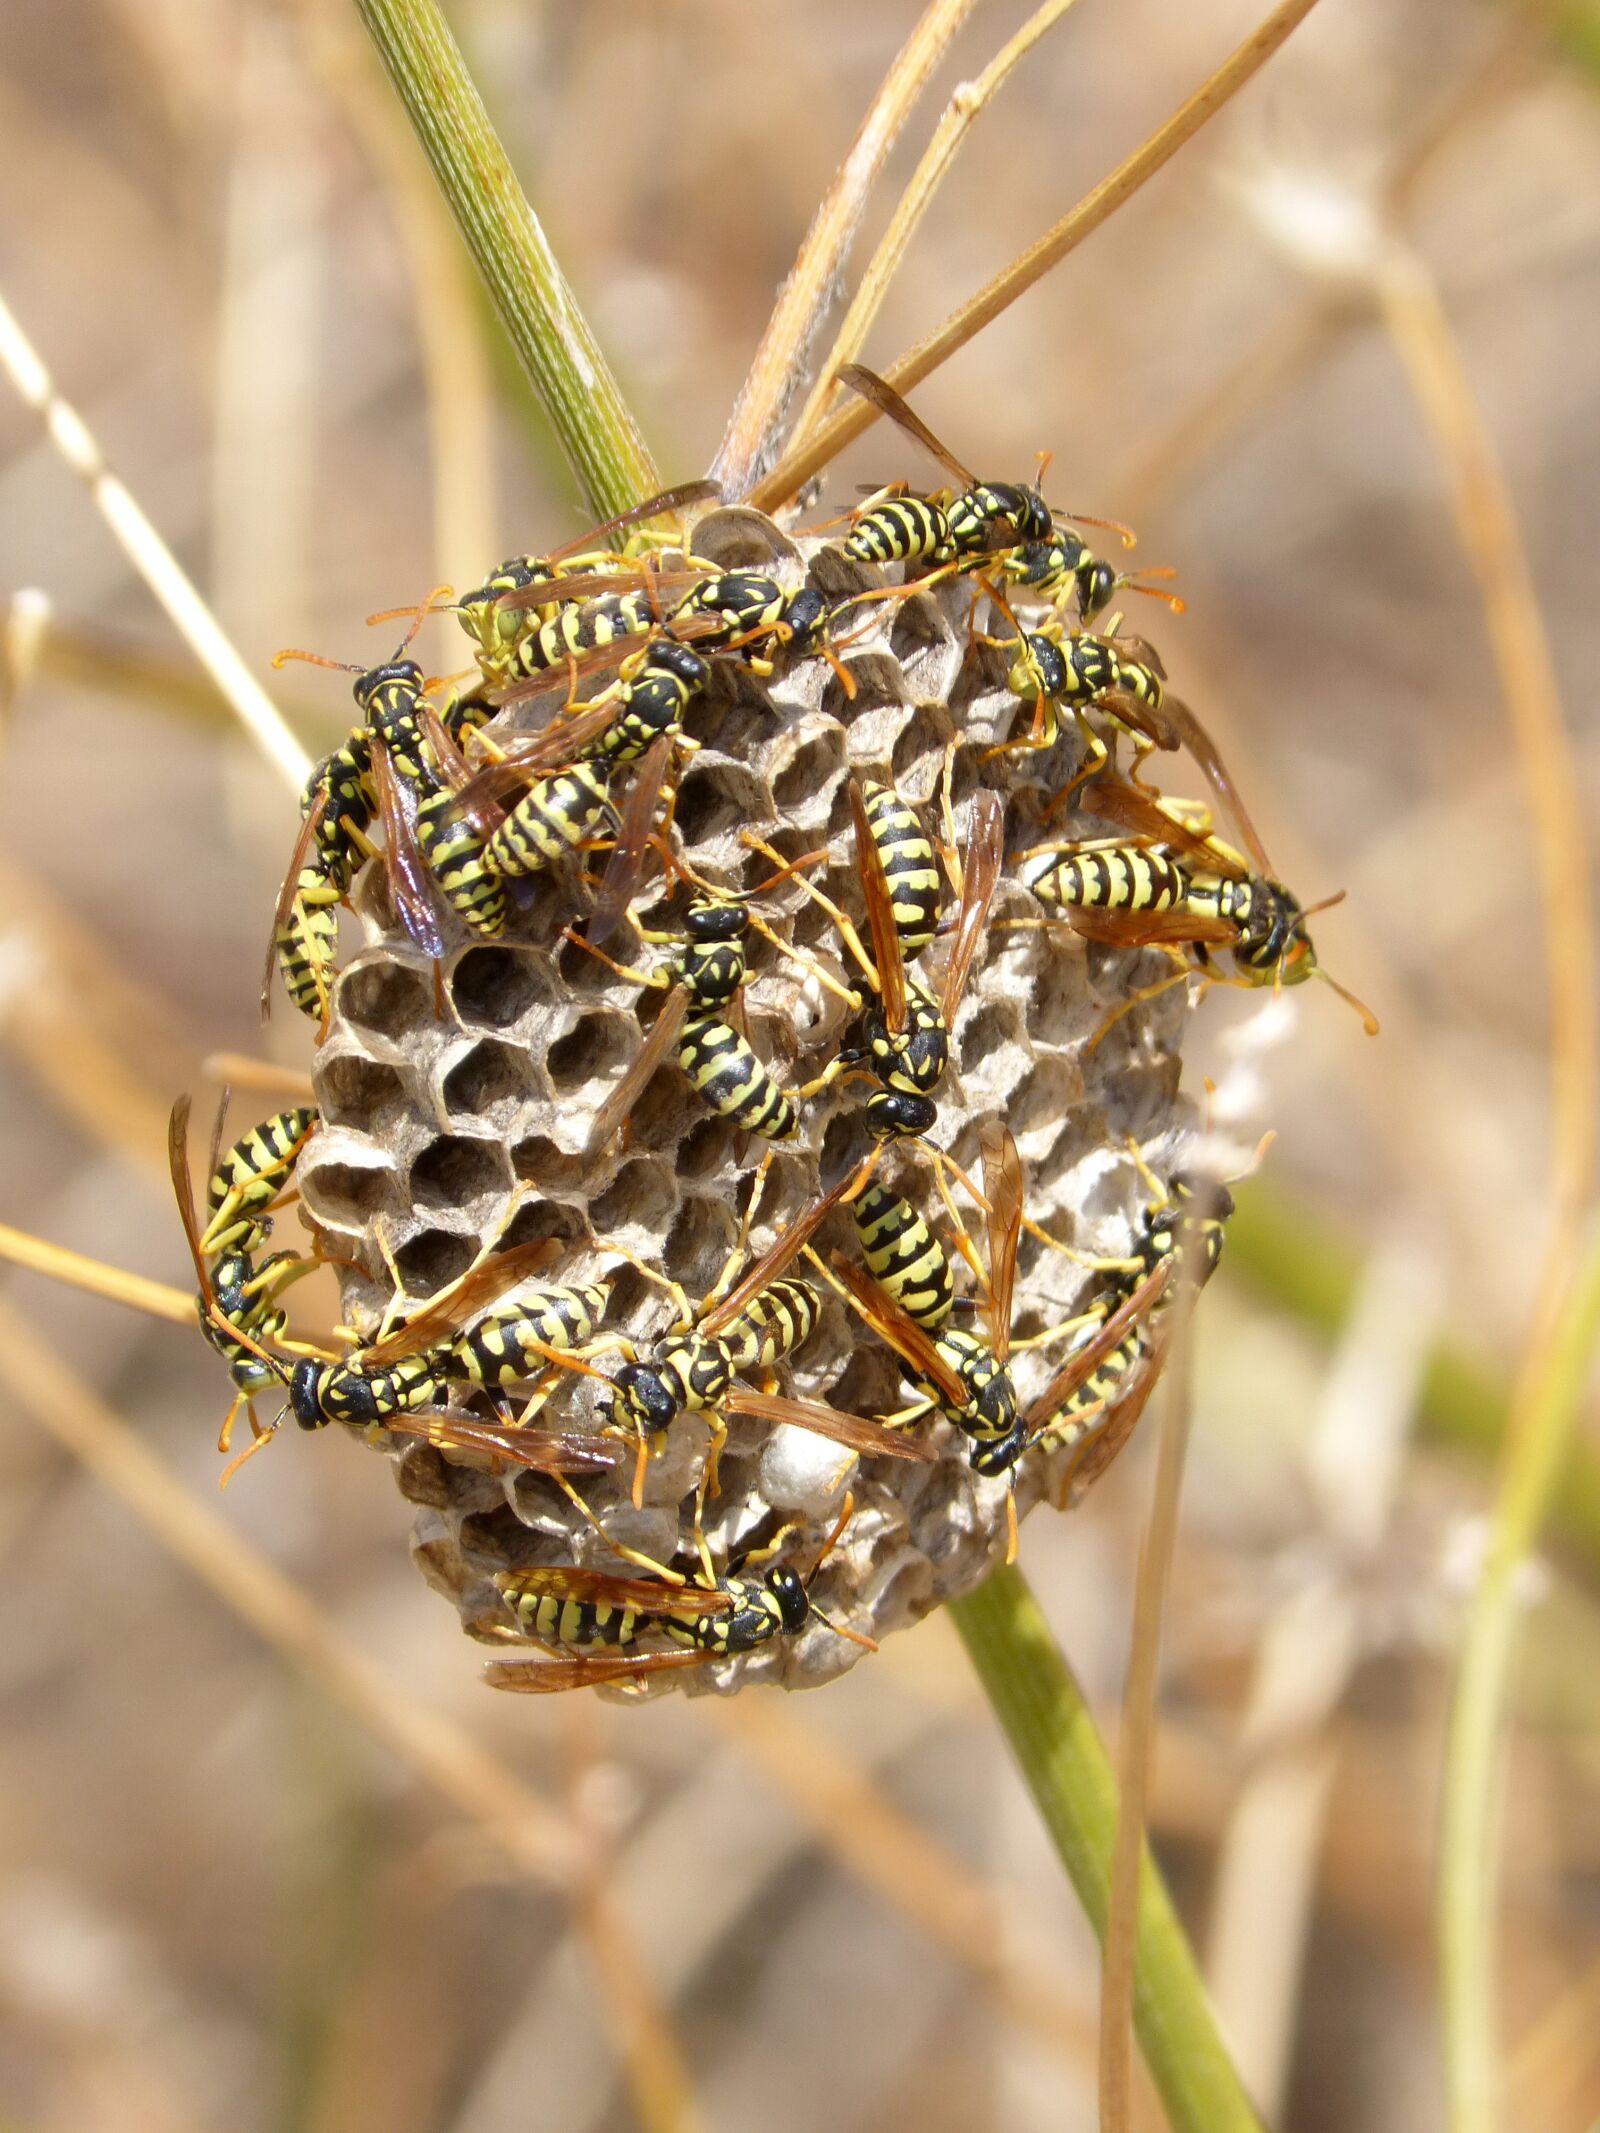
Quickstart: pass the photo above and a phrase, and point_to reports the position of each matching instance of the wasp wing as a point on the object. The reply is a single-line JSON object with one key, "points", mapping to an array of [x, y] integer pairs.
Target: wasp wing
{"points": [[598, 1588], [980, 877], [888, 402], [909, 1340], [657, 1045], [872, 1439], [448, 1311], [408, 871], [287, 893], [545, 1451], [886, 956], [669, 501], [623, 868], [544, 1677], [778, 1258], [1003, 1189]]}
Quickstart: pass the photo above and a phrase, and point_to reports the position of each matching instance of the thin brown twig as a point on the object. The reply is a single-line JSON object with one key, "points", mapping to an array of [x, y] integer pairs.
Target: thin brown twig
{"points": [[1282, 353], [1065, 236], [93, 1040], [779, 360], [1542, 1413], [938, 160], [1491, 539]]}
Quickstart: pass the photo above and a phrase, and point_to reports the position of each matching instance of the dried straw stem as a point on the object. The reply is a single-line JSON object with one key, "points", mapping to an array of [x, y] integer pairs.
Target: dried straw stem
{"points": [[938, 160], [149, 554], [779, 361], [1063, 237]]}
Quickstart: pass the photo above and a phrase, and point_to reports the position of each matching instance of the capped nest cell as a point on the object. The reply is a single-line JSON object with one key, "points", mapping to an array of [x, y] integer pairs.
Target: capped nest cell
{"points": [[445, 1132]]}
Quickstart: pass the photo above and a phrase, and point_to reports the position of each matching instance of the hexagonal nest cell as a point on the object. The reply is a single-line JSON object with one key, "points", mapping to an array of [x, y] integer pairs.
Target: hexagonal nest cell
{"points": [[449, 1132]]}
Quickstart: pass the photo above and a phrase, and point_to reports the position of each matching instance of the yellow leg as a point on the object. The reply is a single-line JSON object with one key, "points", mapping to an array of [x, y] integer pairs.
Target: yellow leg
{"points": [[1148, 992], [652, 1274], [845, 925], [630, 1555]]}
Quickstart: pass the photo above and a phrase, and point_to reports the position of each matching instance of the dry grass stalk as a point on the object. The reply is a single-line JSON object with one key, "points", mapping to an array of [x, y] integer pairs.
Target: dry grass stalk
{"points": [[938, 160], [1094, 209], [150, 555], [779, 361]]}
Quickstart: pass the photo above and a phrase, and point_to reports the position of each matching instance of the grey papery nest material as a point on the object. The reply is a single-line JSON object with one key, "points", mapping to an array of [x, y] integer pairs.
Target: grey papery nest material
{"points": [[432, 1128]]}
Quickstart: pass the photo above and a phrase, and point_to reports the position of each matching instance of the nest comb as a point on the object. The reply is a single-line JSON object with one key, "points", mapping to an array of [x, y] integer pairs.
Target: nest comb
{"points": [[433, 1128]]}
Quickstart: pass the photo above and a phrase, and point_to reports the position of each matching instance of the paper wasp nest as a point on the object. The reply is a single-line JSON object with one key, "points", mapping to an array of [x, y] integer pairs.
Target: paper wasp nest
{"points": [[432, 1126]]}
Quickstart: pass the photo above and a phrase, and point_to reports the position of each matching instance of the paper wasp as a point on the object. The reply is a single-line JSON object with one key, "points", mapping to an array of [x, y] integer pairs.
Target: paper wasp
{"points": [[398, 1381], [593, 1620], [739, 1328], [497, 626], [905, 1027], [1172, 883], [703, 980]]}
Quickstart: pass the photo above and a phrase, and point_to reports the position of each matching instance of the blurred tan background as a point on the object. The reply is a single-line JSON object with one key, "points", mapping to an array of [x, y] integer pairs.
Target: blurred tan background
{"points": [[220, 1902]]}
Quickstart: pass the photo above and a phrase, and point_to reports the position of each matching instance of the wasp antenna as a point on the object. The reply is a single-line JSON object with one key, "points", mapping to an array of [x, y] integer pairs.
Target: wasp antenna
{"points": [[1369, 1020], [795, 866], [1325, 904], [1125, 534], [847, 1512], [316, 659], [1175, 602], [251, 1449], [851, 1636]]}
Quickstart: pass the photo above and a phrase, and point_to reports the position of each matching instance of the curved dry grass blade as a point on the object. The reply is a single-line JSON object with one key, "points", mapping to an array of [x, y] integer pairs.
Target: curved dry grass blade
{"points": [[60, 1263], [150, 555], [779, 361], [938, 159], [1065, 236], [1491, 539], [1540, 1433], [98, 1046], [539, 1841]]}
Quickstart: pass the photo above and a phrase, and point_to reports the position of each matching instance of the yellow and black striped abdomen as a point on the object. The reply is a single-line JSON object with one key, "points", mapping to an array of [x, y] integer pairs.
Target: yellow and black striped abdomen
{"points": [[551, 819], [904, 1256], [909, 863], [456, 855], [782, 1318], [903, 529], [1086, 1409], [307, 942], [251, 1175], [729, 1077], [1111, 877], [498, 1349], [555, 1620]]}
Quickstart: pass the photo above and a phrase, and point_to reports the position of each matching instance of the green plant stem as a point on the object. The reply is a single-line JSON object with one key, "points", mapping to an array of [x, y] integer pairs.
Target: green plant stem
{"points": [[572, 378], [1066, 1768], [1467, 1864], [1303, 1264]]}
